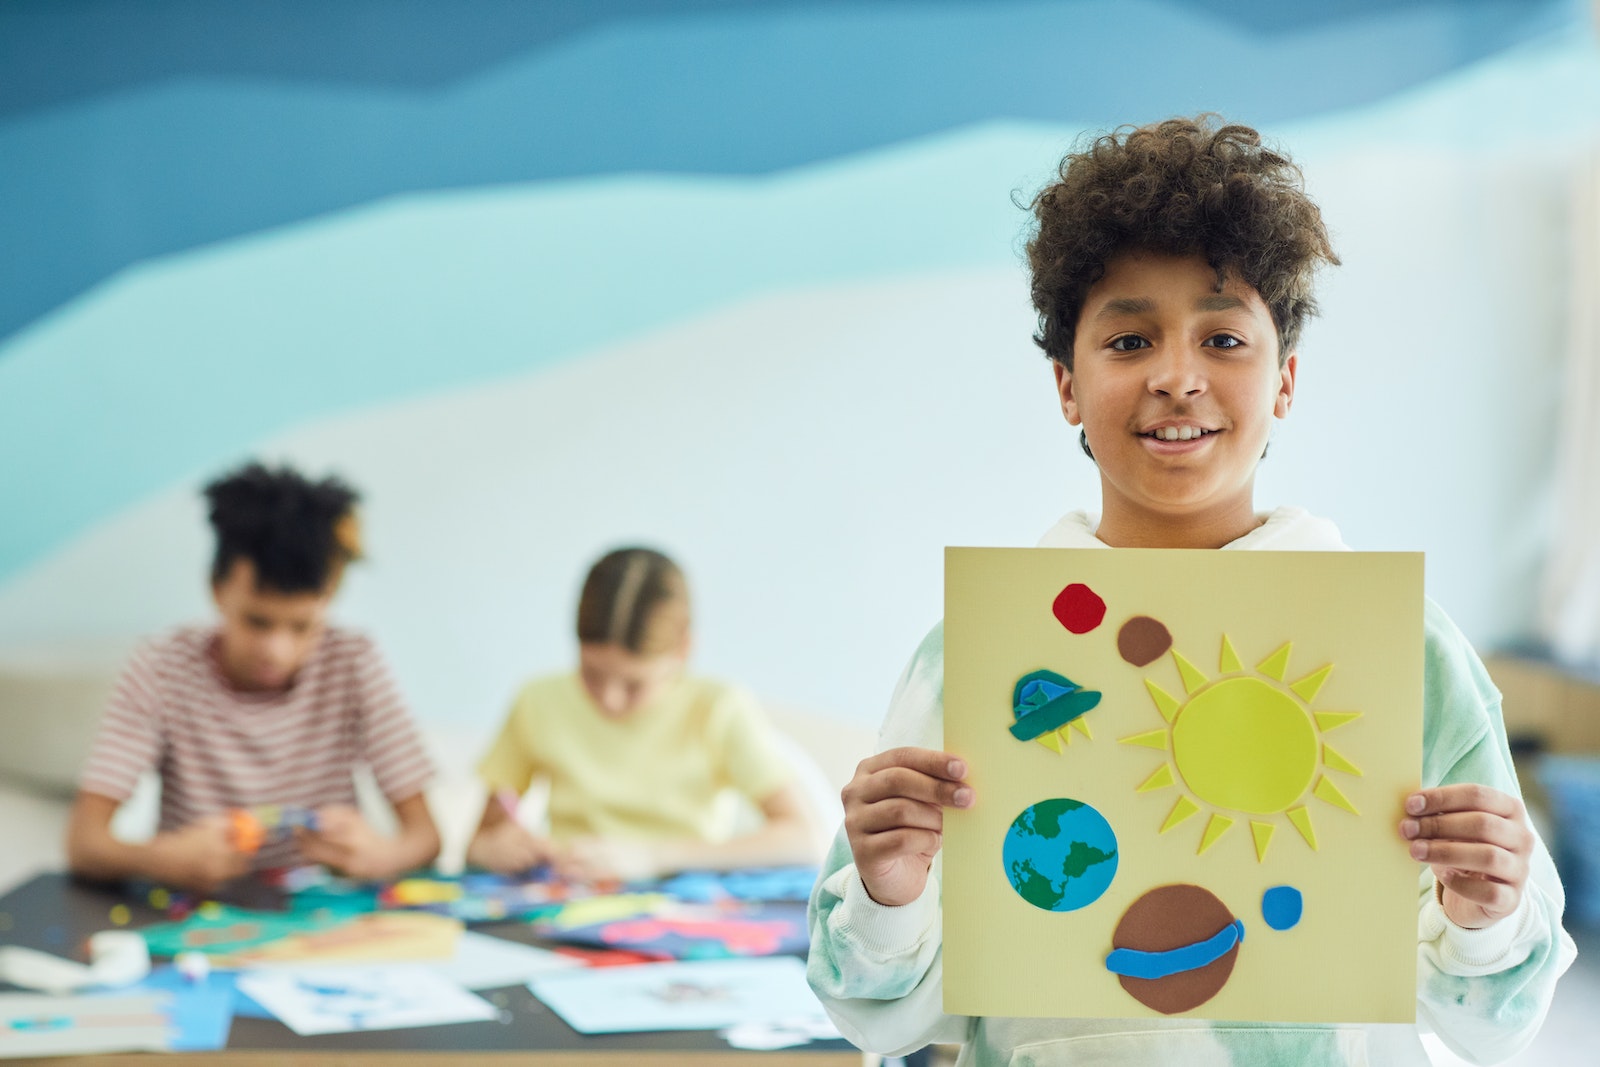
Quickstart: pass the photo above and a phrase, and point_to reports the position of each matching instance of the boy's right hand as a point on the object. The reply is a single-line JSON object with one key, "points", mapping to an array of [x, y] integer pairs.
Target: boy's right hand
{"points": [[508, 847], [894, 818], [199, 856]]}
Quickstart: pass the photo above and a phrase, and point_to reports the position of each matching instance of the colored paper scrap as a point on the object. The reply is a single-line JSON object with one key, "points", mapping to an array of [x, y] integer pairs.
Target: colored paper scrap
{"points": [[755, 883], [336, 1000], [690, 931], [384, 936], [32, 1024], [695, 995], [221, 929], [201, 1012]]}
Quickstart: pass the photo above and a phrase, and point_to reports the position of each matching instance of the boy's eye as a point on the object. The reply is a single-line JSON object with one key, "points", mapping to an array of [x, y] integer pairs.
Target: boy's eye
{"points": [[1223, 340], [1128, 342]]}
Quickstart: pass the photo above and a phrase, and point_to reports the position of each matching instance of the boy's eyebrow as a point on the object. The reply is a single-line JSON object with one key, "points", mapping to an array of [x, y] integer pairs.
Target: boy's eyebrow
{"points": [[1218, 302], [1126, 305]]}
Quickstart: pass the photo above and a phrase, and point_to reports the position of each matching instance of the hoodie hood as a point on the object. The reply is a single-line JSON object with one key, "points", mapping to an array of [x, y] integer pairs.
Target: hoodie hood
{"points": [[1285, 529]]}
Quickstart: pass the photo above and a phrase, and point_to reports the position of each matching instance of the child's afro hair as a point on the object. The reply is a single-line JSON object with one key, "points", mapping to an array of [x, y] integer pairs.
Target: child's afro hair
{"points": [[1181, 187], [299, 534]]}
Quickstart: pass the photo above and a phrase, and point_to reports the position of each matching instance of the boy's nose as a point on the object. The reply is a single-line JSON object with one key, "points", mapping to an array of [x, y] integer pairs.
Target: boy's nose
{"points": [[1177, 373]]}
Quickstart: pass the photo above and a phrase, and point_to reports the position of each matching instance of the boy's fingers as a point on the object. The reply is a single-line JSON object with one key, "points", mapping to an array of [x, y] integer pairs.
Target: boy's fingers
{"points": [[894, 814], [1491, 895], [896, 843], [896, 781], [1465, 796], [1469, 826], [1487, 860], [926, 761]]}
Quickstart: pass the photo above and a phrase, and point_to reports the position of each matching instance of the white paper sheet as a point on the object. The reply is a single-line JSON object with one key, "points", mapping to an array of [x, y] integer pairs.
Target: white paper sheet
{"points": [[485, 962], [335, 1000], [693, 995]]}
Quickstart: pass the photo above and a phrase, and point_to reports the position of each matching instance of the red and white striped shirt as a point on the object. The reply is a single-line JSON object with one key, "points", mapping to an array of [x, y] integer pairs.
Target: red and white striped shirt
{"points": [[216, 747]]}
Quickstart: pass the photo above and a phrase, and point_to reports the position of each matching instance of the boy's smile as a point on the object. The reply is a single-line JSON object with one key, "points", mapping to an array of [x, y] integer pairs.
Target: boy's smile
{"points": [[1175, 383]]}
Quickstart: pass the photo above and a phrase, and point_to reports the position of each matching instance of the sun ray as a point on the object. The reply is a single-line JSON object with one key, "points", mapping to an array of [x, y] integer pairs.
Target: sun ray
{"points": [[1308, 687], [1276, 665], [1080, 724], [1334, 761], [1326, 790], [1262, 832], [1149, 739], [1051, 739], [1332, 720], [1192, 678], [1166, 703], [1229, 663], [1218, 826], [1180, 811], [1302, 822], [1159, 780]]}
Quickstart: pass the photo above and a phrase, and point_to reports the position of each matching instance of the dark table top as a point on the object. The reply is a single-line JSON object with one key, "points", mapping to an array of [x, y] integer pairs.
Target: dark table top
{"points": [[56, 913]]}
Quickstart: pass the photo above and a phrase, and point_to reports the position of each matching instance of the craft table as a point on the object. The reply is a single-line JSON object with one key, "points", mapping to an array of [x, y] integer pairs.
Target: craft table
{"points": [[56, 913]]}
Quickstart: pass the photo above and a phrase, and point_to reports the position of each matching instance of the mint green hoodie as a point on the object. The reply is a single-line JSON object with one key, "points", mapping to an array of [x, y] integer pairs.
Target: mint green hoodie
{"points": [[878, 970]]}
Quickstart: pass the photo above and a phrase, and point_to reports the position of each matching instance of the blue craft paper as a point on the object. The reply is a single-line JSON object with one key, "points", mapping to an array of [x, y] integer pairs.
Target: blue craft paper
{"points": [[201, 1012], [1281, 907], [1132, 963]]}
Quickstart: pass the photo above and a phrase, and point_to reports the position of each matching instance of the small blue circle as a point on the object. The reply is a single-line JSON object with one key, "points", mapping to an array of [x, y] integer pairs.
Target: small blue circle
{"points": [[1060, 854], [1281, 906]]}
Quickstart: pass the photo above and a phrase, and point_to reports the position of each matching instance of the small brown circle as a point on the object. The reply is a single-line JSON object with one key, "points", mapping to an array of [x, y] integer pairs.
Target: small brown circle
{"points": [[1169, 917], [1143, 640]]}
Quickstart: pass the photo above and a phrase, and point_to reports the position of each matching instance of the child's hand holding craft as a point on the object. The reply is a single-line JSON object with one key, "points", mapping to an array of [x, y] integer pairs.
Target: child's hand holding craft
{"points": [[1478, 843], [200, 856], [894, 817], [347, 843], [508, 847]]}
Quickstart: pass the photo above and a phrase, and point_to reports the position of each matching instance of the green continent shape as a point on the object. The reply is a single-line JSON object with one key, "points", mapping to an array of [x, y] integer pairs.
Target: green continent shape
{"points": [[1044, 818], [1034, 887], [1083, 856]]}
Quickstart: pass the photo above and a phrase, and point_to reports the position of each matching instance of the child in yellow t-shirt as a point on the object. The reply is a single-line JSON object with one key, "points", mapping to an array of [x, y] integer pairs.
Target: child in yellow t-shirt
{"points": [[638, 755]]}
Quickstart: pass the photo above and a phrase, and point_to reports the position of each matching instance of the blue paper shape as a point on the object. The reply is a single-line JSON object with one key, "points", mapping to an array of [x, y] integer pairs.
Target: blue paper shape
{"points": [[1281, 907], [1132, 963]]}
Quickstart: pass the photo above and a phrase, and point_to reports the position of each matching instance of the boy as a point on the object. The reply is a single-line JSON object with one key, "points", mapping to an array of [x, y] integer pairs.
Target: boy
{"points": [[269, 706], [1172, 271]]}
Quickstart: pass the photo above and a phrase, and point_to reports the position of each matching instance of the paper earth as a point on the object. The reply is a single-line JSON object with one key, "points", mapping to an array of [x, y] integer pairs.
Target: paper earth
{"points": [[1060, 854]]}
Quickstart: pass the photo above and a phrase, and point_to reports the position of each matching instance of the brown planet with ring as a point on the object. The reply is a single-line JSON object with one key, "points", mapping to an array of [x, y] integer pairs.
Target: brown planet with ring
{"points": [[1175, 947]]}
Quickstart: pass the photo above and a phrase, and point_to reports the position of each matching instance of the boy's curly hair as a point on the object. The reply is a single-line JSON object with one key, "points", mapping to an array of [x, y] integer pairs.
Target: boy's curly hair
{"points": [[298, 533], [1182, 186]]}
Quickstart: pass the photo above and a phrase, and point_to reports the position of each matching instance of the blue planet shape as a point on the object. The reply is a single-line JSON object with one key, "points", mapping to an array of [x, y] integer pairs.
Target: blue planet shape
{"points": [[1044, 700], [1281, 907], [1060, 854]]}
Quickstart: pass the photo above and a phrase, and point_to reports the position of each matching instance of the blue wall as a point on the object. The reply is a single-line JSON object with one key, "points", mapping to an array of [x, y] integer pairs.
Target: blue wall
{"points": [[229, 226]]}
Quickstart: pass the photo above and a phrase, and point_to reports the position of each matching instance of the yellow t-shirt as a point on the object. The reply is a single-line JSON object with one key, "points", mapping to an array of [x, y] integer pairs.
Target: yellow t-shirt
{"points": [[660, 772]]}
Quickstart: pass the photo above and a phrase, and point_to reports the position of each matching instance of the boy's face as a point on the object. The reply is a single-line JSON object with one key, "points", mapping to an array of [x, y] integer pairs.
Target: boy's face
{"points": [[1160, 351], [266, 635], [621, 682]]}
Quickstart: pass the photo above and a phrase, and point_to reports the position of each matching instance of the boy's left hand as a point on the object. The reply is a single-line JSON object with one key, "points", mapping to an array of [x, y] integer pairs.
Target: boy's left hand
{"points": [[347, 843], [1478, 843]]}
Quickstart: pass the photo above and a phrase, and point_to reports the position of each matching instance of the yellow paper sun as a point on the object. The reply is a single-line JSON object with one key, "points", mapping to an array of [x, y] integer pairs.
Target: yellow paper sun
{"points": [[1246, 744]]}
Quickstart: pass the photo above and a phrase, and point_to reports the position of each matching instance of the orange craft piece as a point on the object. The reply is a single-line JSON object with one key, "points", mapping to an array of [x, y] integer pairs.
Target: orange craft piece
{"points": [[247, 831]]}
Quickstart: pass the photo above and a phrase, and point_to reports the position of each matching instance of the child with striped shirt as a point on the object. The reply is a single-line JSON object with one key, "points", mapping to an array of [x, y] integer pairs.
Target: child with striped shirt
{"points": [[268, 706]]}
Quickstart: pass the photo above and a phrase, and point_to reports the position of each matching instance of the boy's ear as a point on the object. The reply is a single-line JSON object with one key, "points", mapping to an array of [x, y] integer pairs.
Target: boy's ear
{"points": [[1069, 406], [1285, 400]]}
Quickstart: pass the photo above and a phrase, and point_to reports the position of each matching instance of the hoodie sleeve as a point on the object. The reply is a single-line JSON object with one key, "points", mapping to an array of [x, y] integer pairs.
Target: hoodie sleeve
{"points": [[1484, 992], [879, 970]]}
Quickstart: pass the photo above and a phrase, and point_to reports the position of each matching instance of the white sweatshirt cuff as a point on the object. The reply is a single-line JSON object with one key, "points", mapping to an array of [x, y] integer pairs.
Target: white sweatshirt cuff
{"points": [[1469, 953], [880, 930]]}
